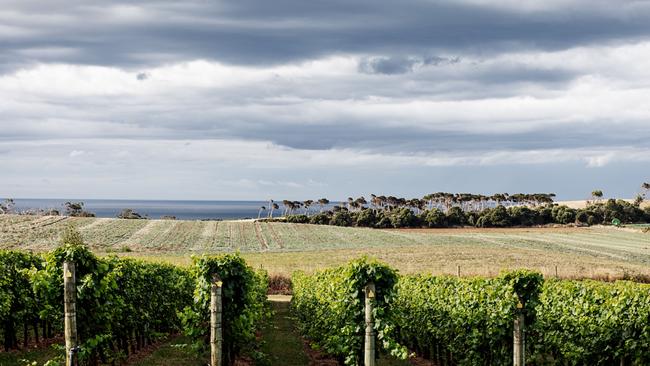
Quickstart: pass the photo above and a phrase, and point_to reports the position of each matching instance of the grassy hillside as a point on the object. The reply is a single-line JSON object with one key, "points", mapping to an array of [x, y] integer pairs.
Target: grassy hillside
{"points": [[285, 247]]}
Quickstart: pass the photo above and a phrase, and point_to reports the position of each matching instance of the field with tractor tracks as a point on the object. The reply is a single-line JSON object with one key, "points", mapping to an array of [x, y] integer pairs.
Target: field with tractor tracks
{"points": [[282, 248]]}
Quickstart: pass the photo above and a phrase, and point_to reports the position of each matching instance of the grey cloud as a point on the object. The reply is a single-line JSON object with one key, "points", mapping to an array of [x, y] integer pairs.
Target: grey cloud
{"points": [[401, 65], [141, 76], [259, 32]]}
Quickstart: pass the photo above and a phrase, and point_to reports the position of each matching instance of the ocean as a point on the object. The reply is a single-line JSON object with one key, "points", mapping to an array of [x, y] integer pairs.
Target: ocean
{"points": [[183, 210]]}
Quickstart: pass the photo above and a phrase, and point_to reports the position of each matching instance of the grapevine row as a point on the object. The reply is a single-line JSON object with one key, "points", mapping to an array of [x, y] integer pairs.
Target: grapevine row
{"points": [[124, 304], [470, 321]]}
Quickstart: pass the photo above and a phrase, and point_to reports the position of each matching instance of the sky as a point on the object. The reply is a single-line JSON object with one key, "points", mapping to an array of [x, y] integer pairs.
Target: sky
{"points": [[258, 99]]}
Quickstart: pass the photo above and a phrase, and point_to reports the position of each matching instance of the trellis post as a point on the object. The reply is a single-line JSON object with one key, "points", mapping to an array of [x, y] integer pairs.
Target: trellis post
{"points": [[369, 351], [518, 337], [216, 334], [70, 312]]}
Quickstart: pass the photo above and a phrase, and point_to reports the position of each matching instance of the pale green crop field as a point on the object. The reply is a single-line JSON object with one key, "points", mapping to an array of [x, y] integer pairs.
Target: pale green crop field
{"points": [[282, 248]]}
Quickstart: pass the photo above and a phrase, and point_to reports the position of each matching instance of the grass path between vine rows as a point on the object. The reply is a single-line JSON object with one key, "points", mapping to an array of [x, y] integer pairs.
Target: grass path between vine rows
{"points": [[284, 345], [281, 342]]}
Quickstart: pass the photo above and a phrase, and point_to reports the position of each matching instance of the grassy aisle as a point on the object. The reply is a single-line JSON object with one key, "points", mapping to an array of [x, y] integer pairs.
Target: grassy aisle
{"points": [[172, 353], [285, 346], [281, 342]]}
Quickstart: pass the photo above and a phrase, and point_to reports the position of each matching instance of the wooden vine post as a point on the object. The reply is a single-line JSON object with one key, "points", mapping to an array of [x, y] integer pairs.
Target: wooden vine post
{"points": [[518, 337], [369, 351], [216, 331], [70, 310]]}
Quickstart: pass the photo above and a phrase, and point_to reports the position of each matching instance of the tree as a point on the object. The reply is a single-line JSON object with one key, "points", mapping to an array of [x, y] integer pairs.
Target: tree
{"points": [[435, 218], [128, 213], [596, 195], [259, 214], [645, 187], [76, 209], [307, 204], [274, 206], [341, 218], [7, 206], [271, 206], [322, 203]]}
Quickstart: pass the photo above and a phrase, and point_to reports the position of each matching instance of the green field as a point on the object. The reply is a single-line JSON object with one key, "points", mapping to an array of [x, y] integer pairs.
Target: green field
{"points": [[282, 248]]}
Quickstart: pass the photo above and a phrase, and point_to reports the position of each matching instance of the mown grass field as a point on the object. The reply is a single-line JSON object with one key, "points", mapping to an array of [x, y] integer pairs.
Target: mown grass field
{"points": [[283, 248]]}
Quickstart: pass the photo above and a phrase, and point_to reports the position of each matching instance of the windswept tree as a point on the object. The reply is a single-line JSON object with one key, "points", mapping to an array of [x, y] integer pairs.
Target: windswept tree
{"points": [[307, 204], [322, 203], [8, 206], [271, 208], [76, 209], [129, 214], [645, 187], [259, 213], [596, 195]]}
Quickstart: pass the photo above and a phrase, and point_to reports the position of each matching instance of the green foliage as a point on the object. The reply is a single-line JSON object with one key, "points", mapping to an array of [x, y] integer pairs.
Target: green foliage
{"points": [[341, 218], [494, 217], [592, 323], [403, 217], [523, 216], [434, 218], [329, 306], [320, 219], [119, 301], [244, 303], [469, 320], [297, 219], [18, 302], [563, 214], [456, 217], [366, 218]]}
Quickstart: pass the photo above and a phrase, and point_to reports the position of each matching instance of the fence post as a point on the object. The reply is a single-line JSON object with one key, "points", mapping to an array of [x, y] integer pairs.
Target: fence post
{"points": [[369, 352], [216, 335], [458, 270], [70, 310], [519, 341]]}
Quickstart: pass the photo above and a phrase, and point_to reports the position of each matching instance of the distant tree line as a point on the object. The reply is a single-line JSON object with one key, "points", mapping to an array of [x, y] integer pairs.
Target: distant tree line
{"points": [[441, 210]]}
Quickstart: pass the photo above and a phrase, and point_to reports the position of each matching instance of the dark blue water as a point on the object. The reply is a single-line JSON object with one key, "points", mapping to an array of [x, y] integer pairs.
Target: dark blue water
{"points": [[188, 210]]}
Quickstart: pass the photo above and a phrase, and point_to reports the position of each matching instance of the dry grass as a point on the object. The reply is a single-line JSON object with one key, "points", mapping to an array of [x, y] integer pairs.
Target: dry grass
{"points": [[283, 248]]}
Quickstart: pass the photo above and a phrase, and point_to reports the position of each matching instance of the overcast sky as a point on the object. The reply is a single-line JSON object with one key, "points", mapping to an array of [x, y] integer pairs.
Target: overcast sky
{"points": [[258, 99]]}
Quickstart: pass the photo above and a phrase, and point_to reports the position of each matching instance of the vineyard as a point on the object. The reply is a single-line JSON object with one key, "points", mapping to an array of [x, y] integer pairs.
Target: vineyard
{"points": [[470, 321], [122, 304]]}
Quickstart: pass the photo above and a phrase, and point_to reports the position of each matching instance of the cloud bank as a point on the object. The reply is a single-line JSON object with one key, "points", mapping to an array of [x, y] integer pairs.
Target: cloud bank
{"points": [[141, 98]]}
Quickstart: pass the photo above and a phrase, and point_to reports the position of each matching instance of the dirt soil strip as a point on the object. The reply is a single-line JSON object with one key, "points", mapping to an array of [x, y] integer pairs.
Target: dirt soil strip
{"points": [[260, 238], [276, 238], [51, 222], [94, 224], [242, 235], [230, 235]]}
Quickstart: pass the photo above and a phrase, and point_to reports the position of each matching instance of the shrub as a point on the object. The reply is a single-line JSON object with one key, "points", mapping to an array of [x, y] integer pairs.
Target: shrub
{"points": [[434, 218], [297, 219], [403, 217], [320, 219], [494, 217], [456, 217], [341, 218], [522, 216], [366, 218]]}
